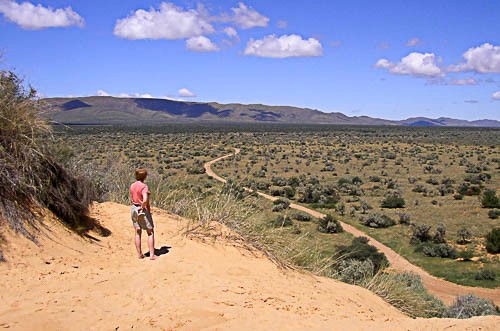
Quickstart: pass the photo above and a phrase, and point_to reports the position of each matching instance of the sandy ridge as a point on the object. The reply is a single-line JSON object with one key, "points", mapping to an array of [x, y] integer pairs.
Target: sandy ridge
{"points": [[443, 289], [71, 283]]}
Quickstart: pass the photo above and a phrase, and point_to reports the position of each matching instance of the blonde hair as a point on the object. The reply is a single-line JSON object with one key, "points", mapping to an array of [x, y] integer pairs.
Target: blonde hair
{"points": [[141, 174]]}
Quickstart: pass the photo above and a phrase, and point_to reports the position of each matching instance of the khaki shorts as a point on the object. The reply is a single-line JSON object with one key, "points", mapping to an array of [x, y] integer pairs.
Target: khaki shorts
{"points": [[141, 218]]}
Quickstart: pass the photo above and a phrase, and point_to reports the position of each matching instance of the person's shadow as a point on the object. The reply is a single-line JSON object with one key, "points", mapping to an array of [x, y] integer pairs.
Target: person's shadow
{"points": [[160, 251]]}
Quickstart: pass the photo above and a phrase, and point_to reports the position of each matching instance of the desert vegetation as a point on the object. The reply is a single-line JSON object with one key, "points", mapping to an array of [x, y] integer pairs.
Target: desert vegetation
{"points": [[34, 177], [415, 189]]}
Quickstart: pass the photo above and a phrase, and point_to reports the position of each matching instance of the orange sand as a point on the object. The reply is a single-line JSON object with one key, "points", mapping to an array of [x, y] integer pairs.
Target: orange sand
{"points": [[71, 283]]}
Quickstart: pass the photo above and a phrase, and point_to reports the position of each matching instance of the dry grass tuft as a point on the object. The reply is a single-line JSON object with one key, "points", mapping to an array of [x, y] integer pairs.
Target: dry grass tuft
{"points": [[32, 179]]}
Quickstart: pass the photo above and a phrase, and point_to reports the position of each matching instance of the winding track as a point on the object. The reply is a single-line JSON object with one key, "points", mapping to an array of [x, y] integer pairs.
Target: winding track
{"points": [[443, 289]]}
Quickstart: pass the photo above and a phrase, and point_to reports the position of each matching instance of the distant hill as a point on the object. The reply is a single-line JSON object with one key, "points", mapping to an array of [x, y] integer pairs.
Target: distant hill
{"points": [[111, 110]]}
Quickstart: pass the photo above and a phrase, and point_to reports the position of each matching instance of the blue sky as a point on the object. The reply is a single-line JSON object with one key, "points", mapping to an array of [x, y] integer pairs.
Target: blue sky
{"points": [[388, 59]]}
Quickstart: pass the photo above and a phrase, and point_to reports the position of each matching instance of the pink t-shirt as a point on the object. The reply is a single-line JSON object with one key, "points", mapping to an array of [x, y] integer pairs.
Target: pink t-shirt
{"points": [[137, 190]]}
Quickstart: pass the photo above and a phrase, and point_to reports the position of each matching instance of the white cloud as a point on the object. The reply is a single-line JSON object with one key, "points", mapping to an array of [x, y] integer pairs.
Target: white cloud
{"points": [[464, 81], [231, 32], [32, 17], [246, 17], [414, 64], [496, 95], [284, 46], [184, 92], [482, 59], [169, 22], [103, 93], [201, 44], [413, 42]]}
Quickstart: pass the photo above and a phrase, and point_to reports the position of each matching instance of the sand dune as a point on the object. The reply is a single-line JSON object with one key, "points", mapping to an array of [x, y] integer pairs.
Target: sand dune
{"points": [[68, 282]]}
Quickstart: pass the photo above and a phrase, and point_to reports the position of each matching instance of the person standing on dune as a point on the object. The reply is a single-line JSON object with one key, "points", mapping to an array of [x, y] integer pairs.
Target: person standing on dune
{"points": [[140, 213]]}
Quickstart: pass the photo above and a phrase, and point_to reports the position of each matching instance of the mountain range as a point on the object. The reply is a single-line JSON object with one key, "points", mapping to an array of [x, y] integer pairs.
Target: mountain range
{"points": [[129, 111]]}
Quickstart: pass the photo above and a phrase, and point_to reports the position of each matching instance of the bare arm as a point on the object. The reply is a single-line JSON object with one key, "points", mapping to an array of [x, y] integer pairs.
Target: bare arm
{"points": [[145, 200]]}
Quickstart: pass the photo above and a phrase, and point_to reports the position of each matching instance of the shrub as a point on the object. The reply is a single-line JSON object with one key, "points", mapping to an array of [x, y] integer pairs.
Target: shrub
{"points": [[393, 201], [494, 213], [420, 233], [464, 236], [280, 205], [467, 189], [439, 234], [493, 241], [466, 254], [340, 208], [439, 250], [360, 250], [485, 274], [282, 221], [404, 219], [469, 305], [406, 292], [354, 272], [490, 199], [377, 221], [329, 225], [301, 217]]}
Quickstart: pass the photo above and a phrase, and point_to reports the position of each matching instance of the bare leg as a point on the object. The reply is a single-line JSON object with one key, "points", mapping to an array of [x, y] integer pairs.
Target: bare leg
{"points": [[138, 233], [151, 243]]}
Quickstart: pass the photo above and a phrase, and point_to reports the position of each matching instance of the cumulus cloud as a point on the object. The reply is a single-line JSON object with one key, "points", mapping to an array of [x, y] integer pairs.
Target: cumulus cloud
{"points": [[481, 59], [185, 93], [284, 46], [246, 17], [169, 22], [103, 93], [464, 81], [201, 44], [496, 95], [231, 32], [413, 42], [414, 64], [32, 17]]}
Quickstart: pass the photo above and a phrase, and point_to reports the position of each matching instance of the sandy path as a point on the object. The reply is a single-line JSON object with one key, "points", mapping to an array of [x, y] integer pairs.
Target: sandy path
{"points": [[443, 289], [70, 283]]}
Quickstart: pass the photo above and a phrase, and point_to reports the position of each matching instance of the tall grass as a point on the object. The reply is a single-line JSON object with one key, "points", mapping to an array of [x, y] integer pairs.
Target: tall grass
{"points": [[32, 179]]}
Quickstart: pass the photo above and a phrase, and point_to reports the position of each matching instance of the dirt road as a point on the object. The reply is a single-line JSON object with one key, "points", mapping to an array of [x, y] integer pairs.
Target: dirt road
{"points": [[443, 289]]}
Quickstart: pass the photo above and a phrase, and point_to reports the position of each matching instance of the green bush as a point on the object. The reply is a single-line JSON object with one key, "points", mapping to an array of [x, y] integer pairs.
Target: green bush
{"points": [[439, 235], [301, 217], [377, 221], [485, 274], [420, 233], [469, 306], [280, 205], [490, 199], [282, 221], [360, 250], [494, 214], [404, 218], [393, 201], [464, 236], [328, 224], [493, 241], [354, 272], [438, 250], [466, 254]]}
